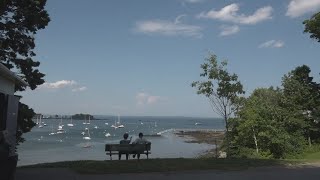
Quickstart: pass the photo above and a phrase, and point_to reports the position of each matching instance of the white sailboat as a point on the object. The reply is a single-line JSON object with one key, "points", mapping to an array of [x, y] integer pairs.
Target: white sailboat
{"points": [[71, 124], [119, 123], [85, 120], [88, 136], [40, 123], [114, 125], [60, 128], [52, 133], [89, 120], [37, 120], [107, 134]]}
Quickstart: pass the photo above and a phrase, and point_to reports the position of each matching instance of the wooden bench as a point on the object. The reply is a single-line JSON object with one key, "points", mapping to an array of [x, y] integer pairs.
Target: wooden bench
{"points": [[112, 149]]}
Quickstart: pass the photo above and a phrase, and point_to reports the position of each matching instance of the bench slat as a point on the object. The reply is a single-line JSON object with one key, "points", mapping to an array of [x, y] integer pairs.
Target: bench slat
{"points": [[128, 147]]}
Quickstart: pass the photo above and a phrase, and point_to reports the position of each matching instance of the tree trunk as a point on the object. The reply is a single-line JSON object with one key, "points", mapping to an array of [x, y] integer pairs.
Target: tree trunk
{"points": [[255, 141], [227, 131], [309, 140]]}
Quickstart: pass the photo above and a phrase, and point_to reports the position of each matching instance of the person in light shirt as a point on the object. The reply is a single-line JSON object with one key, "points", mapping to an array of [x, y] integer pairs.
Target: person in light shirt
{"points": [[140, 140]]}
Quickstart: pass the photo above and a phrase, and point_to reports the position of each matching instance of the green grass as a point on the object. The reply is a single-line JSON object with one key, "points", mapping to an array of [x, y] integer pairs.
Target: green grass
{"points": [[312, 156], [158, 165]]}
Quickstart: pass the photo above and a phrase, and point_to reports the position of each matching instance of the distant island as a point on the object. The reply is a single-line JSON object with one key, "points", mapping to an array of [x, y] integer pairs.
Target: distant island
{"points": [[82, 117], [74, 117]]}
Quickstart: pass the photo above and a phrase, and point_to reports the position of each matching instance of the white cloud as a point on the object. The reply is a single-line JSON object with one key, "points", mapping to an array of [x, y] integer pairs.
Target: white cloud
{"points": [[169, 28], [298, 8], [145, 99], [229, 30], [58, 84], [83, 88], [230, 14], [71, 84], [272, 44]]}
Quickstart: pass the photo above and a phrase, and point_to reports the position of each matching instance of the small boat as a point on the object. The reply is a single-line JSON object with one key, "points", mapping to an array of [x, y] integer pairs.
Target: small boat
{"points": [[83, 133], [60, 128], [87, 145], [197, 124], [71, 124], [87, 137], [60, 131], [89, 120], [119, 123], [108, 135], [52, 133], [85, 120], [114, 125], [96, 127], [40, 123], [106, 123]]}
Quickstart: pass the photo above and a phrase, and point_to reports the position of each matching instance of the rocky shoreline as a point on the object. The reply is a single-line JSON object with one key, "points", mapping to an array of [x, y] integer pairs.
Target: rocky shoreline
{"points": [[204, 136]]}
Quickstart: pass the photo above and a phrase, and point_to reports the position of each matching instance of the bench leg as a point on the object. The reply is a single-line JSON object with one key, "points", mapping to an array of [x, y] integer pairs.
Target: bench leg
{"points": [[110, 156], [147, 154]]}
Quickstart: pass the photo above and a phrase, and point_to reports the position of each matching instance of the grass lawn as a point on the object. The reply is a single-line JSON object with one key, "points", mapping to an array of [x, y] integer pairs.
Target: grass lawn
{"points": [[312, 156], [158, 165]]}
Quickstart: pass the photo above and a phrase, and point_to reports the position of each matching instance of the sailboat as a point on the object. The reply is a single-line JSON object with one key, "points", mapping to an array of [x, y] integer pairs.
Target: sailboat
{"points": [[119, 123], [87, 137], [60, 128], [40, 123], [89, 120], [52, 133], [37, 120], [114, 125], [70, 125], [85, 120], [107, 134]]}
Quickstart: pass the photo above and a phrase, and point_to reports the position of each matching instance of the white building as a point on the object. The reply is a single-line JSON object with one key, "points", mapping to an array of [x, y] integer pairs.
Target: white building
{"points": [[9, 103]]}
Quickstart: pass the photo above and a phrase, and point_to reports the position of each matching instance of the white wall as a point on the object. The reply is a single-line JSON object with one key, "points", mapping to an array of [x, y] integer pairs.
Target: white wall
{"points": [[6, 86]]}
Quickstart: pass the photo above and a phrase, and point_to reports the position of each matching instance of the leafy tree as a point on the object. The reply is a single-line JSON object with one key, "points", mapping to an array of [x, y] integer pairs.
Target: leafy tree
{"points": [[259, 125], [19, 22], [301, 97], [221, 88], [312, 26]]}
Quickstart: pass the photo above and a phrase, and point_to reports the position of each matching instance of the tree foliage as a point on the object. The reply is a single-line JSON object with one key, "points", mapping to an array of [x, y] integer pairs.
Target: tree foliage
{"points": [[221, 88], [312, 26], [19, 22], [278, 122]]}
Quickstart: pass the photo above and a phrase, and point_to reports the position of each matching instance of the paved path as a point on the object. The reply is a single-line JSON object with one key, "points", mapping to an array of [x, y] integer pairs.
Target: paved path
{"points": [[273, 173]]}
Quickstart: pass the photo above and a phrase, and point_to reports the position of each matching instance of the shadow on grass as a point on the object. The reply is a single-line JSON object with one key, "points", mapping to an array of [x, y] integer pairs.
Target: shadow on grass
{"points": [[159, 165]]}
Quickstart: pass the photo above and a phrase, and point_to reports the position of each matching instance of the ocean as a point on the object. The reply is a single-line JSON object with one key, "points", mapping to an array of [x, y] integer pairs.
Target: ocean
{"points": [[41, 147]]}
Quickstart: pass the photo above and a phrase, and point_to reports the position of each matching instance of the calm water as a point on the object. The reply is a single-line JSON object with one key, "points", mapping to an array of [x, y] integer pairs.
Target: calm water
{"points": [[41, 147]]}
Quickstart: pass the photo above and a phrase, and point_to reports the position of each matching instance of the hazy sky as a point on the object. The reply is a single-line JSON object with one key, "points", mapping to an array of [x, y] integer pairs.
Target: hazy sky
{"points": [[140, 57]]}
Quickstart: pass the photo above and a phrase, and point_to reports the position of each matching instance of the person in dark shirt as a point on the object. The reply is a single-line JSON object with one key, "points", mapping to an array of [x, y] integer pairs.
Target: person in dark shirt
{"points": [[125, 141]]}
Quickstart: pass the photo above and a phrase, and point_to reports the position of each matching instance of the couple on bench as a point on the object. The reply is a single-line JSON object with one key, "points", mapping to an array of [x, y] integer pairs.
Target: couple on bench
{"points": [[140, 140]]}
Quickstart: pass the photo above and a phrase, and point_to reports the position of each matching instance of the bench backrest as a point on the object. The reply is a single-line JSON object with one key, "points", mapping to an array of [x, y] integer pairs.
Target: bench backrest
{"points": [[128, 147]]}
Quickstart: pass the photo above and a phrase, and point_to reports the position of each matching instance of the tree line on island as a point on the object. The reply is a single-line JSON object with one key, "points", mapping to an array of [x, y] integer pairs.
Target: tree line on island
{"points": [[272, 122], [74, 117]]}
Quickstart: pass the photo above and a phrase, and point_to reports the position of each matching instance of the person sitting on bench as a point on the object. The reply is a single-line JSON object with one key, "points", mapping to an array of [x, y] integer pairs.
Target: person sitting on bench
{"points": [[125, 141], [140, 140]]}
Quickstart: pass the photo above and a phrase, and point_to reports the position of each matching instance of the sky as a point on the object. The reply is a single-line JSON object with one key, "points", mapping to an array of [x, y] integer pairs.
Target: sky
{"points": [[139, 58]]}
